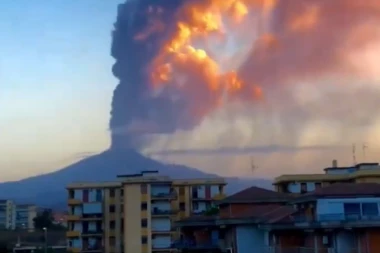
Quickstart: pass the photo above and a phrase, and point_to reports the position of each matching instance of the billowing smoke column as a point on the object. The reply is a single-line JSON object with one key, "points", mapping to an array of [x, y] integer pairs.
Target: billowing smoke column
{"points": [[179, 61], [132, 102]]}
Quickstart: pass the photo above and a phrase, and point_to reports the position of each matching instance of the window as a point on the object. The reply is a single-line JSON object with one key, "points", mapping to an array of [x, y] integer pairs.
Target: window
{"points": [[112, 193], [112, 241], [144, 189], [121, 208], [144, 240], [181, 191], [351, 209], [182, 206], [98, 195], [318, 185], [370, 209], [112, 224], [122, 225], [144, 206], [144, 223], [195, 206], [121, 192], [112, 208], [303, 188]]}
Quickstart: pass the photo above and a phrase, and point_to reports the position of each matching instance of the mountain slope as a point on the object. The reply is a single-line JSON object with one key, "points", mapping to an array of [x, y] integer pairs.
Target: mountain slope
{"points": [[48, 190]]}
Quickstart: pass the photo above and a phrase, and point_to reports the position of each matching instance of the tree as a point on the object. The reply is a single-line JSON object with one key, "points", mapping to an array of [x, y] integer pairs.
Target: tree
{"points": [[214, 210], [43, 220]]}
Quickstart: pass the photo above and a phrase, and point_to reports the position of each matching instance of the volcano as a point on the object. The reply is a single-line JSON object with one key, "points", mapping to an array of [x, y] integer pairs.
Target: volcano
{"points": [[49, 191]]}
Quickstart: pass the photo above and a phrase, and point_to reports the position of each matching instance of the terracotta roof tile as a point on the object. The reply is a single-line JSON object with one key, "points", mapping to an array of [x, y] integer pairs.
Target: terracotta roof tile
{"points": [[255, 194]]}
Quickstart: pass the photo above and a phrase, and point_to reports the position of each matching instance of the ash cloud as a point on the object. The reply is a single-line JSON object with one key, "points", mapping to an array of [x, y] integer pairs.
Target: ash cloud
{"points": [[132, 105], [308, 63]]}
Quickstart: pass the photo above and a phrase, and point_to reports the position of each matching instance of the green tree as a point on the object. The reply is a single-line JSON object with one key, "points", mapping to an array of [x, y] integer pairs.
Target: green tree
{"points": [[43, 220], [214, 210]]}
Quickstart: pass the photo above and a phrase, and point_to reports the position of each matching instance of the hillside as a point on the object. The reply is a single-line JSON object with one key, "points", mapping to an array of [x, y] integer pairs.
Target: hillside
{"points": [[48, 190]]}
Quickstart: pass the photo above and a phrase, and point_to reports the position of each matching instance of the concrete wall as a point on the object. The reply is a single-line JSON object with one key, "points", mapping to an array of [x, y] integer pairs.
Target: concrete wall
{"points": [[132, 218]]}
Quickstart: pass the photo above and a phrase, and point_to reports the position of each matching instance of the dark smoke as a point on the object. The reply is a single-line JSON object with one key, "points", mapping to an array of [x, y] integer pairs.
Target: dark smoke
{"points": [[132, 105]]}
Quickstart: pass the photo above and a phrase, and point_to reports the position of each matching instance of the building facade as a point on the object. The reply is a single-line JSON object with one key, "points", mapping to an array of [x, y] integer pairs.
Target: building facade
{"points": [[304, 183], [24, 215], [340, 218], [7, 214], [136, 213]]}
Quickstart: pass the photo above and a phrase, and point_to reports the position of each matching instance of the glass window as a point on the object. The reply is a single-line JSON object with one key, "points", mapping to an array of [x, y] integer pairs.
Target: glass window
{"points": [[144, 206], [352, 208], [144, 189], [370, 209], [144, 240]]}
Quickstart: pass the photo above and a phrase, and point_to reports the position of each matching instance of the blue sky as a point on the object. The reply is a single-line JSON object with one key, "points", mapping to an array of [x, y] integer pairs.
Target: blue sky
{"points": [[55, 82]]}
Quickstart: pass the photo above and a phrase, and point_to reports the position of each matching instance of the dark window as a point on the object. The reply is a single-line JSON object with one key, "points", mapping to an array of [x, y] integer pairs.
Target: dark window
{"points": [[144, 240], [144, 189], [351, 210], [370, 209], [144, 206], [122, 225], [194, 192], [182, 206], [112, 224], [98, 195], [318, 185], [121, 208], [112, 208], [121, 192], [144, 223], [303, 188], [181, 190], [112, 193]]}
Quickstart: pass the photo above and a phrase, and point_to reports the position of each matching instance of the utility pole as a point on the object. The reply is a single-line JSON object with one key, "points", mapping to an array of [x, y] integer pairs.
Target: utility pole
{"points": [[253, 166], [354, 153]]}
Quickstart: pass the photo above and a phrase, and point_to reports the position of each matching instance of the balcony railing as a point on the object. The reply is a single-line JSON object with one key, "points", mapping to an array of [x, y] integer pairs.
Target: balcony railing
{"points": [[162, 245], [92, 232], [163, 195], [338, 217], [156, 211], [189, 244]]}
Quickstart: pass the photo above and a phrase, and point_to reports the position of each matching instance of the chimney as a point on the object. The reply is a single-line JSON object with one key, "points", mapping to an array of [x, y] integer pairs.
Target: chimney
{"points": [[335, 163]]}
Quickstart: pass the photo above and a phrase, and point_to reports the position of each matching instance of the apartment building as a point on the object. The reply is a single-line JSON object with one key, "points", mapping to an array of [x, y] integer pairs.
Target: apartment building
{"points": [[24, 215], [339, 218], [7, 214], [304, 183], [135, 213]]}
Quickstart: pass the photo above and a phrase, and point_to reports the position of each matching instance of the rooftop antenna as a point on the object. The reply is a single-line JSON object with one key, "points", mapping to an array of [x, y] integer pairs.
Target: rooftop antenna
{"points": [[253, 166], [365, 147], [354, 153]]}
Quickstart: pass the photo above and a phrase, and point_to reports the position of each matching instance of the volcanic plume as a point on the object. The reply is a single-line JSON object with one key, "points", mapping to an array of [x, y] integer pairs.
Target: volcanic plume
{"points": [[180, 61]]}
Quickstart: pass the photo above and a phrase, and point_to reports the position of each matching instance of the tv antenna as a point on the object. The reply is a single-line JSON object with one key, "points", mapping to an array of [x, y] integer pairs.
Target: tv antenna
{"points": [[365, 147], [253, 166], [354, 153]]}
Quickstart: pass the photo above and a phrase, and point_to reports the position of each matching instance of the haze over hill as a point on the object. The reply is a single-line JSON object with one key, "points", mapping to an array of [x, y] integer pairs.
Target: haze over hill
{"points": [[49, 190]]}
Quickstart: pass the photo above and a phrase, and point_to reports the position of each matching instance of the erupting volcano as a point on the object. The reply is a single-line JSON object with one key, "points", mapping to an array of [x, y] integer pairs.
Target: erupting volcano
{"points": [[180, 61]]}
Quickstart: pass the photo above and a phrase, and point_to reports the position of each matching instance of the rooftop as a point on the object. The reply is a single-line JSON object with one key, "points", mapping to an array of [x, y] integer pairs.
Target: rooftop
{"points": [[254, 195]]}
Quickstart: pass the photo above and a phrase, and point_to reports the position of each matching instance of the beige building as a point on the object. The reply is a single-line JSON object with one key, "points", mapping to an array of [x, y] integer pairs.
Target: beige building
{"points": [[24, 216], [304, 183], [136, 213]]}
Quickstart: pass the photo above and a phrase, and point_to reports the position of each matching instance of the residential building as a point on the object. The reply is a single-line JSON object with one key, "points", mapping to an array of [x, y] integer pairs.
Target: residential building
{"points": [[24, 215], [136, 213], [7, 214], [340, 218], [304, 183], [235, 228]]}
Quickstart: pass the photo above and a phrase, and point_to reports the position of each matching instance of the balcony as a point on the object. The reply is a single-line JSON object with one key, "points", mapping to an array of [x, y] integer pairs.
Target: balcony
{"points": [[92, 217], [164, 232], [73, 233], [74, 201], [192, 245], [72, 217], [353, 217], [163, 196], [74, 250], [160, 212], [162, 246], [92, 233], [219, 196]]}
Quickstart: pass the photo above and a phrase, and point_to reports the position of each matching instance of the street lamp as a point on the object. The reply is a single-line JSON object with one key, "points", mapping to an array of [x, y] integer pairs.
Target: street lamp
{"points": [[45, 236]]}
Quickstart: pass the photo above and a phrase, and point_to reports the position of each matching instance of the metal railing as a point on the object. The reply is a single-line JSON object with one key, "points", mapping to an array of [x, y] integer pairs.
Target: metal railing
{"points": [[163, 194], [158, 211], [189, 244]]}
